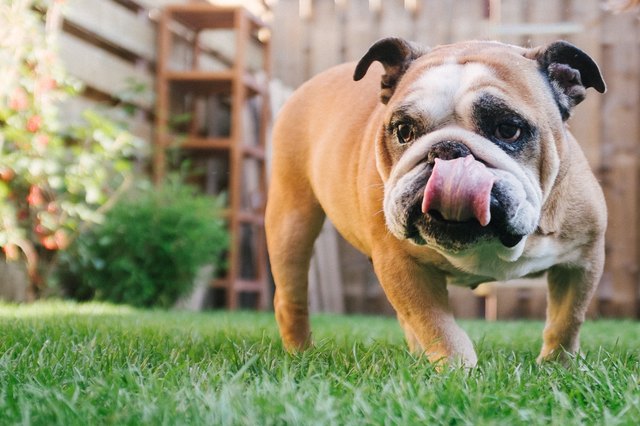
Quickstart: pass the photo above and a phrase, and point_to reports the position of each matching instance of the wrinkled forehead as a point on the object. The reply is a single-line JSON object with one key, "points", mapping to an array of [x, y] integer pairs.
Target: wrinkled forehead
{"points": [[440, 84], [441, 88]]}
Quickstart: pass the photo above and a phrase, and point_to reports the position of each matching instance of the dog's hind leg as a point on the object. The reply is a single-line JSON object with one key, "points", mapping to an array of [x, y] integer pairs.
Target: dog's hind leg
{"points": [[293, 221]]}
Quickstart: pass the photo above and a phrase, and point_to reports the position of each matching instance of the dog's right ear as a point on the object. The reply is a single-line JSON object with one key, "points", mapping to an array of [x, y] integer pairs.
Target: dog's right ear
{"points": [[395, 55], [570, 71]]}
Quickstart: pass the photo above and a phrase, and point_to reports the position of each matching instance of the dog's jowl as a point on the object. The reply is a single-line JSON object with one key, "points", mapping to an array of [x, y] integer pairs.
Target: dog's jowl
{"points": [[446, 166]]}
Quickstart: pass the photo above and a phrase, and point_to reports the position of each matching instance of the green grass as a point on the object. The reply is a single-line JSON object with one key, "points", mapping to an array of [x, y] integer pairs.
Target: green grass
{"points": [[67, 364]]}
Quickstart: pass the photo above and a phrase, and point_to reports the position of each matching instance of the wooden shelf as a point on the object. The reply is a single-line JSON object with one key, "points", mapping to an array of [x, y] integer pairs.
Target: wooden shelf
{"points": [[241, 285], [211, 82], [178, 90], [204, 16], [251, 218], [252, 151], [217, 144], [246, 217], [249, 286], [222, 283]]}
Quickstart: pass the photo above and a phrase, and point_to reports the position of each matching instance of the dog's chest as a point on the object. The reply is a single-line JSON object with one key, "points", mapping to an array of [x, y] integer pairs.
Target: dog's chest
{"points": [[484, 263]]}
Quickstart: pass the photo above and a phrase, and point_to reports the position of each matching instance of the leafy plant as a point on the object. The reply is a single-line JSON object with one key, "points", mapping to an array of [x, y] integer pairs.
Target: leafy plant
{"points": [[54, 179], [149, 248]]}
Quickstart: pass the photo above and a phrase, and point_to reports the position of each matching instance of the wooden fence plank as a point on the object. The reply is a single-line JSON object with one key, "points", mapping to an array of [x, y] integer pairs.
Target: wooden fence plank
{"points": [[105, 72], [71, 111], [325, 278], [469, 23], [434, 22], [586, 121], [395, 21], [287, 42], [154, 6], [544, 12], [621, 133], [362, 29], [511, 12], [325, 32], [115, 24], [464, 303]]}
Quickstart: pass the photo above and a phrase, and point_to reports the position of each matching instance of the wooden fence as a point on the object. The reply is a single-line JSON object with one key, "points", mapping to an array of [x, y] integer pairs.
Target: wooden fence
{"points": [[312, 35]]}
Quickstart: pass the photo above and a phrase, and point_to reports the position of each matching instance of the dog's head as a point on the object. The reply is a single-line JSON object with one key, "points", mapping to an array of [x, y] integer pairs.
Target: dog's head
{"points": [[474, 137]]}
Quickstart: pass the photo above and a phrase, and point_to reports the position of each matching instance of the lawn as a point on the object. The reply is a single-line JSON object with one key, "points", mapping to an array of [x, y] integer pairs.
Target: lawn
{"points": [[63, 363]]}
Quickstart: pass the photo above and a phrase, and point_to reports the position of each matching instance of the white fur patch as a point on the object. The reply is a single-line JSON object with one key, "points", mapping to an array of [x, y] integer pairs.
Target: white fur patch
{"points": [[436, 93], [491, 259]]}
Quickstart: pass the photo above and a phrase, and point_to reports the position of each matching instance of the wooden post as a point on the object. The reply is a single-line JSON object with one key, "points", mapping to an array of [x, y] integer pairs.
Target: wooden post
{"points": [[162, 103], [265, 118], [235, 191]]}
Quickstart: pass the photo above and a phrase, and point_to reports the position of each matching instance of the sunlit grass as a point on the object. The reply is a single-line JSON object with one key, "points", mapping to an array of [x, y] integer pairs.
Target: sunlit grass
{"points": [[62, 308], [65, 363]]}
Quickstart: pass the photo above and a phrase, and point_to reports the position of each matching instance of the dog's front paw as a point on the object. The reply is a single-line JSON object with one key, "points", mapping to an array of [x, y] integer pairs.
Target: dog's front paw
{"points": [[461, 354], [557, 354], [464, 360]]}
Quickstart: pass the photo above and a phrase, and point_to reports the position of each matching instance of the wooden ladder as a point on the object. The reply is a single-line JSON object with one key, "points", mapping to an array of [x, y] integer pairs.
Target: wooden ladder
{"points": [[237, 84]]}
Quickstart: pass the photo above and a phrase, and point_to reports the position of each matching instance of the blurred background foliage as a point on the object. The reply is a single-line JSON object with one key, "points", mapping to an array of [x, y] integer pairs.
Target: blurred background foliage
{"points": [[70, 188], [148, 249]]}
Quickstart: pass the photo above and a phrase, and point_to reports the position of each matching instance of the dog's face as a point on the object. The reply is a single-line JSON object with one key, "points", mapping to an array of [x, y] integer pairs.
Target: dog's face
{"points": [[473, 138]]}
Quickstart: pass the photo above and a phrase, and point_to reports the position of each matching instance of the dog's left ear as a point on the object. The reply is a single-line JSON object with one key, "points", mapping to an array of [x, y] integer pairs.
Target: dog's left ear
{"points": [[395, 55], [570, 71]]}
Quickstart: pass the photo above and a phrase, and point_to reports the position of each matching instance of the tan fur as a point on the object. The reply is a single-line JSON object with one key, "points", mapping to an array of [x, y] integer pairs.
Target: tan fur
{"points": [[330, 157]]}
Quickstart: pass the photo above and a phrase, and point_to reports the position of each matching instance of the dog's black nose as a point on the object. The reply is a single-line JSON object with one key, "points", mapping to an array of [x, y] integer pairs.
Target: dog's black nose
{"points": [[447, 150]]}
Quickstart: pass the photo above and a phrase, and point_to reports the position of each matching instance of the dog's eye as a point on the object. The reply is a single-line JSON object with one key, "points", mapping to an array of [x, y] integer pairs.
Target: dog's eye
{"points": [[507, 132], [405, 133]]}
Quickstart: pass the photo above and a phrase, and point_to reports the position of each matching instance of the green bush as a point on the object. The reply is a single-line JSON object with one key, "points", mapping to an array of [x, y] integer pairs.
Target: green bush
{"points": [[148, 250]]}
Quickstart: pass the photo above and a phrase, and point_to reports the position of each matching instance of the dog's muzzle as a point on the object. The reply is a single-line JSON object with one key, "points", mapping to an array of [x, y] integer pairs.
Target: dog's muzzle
{"points": [[464, 201]]}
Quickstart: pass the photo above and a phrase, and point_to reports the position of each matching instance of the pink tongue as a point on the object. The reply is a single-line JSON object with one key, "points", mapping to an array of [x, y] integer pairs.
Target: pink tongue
{"points": [[460, 189]]}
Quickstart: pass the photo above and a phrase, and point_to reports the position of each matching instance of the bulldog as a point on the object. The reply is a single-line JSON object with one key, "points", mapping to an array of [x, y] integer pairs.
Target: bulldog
{"points": [[446, 166]]}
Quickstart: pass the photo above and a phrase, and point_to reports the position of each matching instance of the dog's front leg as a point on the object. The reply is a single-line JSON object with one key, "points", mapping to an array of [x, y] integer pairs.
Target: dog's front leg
{"points": [[419, 296], [570, 290]]}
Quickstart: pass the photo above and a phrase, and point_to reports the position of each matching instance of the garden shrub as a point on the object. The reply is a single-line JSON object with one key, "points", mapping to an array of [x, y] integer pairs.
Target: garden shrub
{"points": [[149, 248]]}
